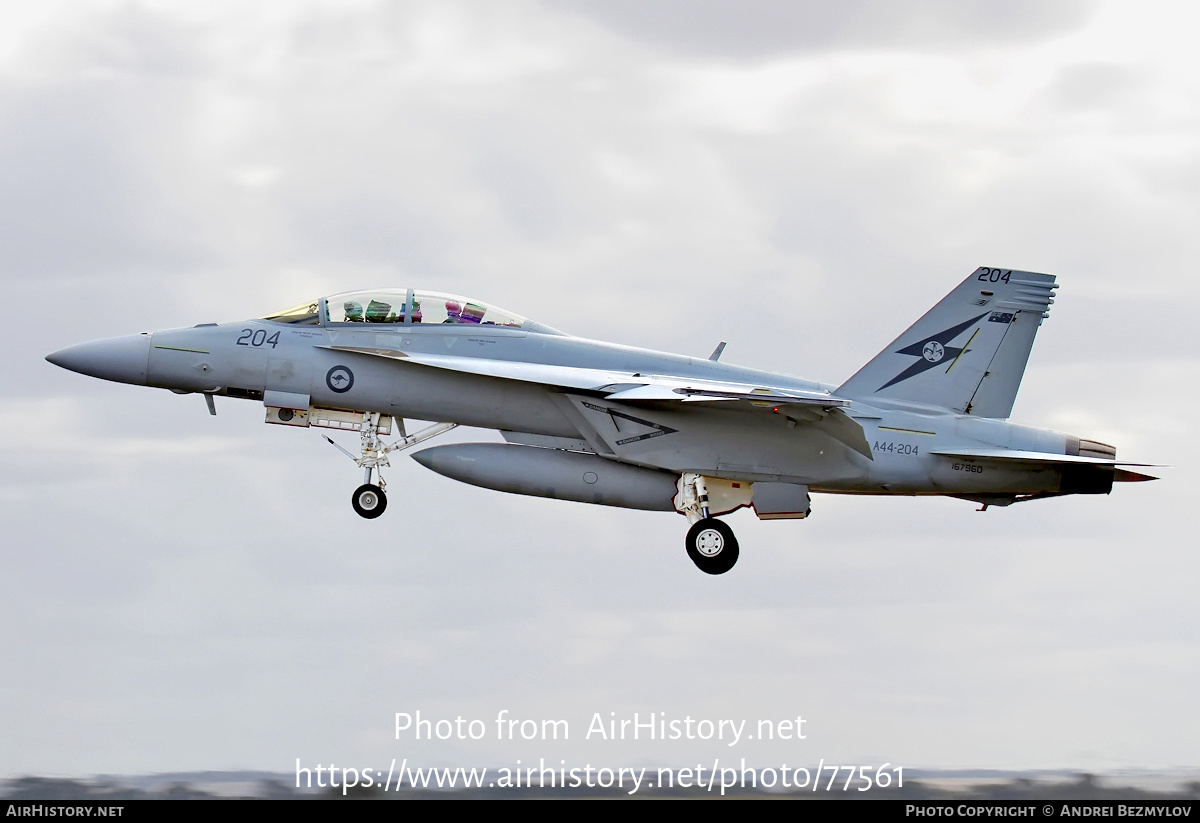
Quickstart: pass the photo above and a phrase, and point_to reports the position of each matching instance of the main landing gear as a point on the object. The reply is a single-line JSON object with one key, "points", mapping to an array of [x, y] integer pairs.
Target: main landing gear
{"points": [[370, 500], [712, 546], [710, 542]]}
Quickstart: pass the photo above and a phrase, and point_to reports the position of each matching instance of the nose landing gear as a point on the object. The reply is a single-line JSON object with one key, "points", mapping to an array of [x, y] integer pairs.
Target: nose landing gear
{"points": [[370, 500]]}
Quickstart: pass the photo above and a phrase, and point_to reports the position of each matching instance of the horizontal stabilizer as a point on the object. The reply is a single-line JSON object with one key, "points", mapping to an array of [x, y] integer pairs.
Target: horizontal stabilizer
{"points": [[1126, 476], [1035, 457]]}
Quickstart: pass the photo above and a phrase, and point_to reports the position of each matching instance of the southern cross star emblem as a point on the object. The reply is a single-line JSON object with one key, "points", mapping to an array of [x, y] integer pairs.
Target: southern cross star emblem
{"points": [[931, 351]]}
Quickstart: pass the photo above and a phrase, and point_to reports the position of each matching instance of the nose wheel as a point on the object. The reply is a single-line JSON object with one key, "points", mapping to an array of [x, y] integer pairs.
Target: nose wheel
{"points": [[712, 546], [369, 501]]}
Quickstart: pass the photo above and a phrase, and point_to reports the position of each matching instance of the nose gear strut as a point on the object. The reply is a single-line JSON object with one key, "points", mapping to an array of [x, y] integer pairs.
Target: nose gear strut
{"points": [[370, 500]]}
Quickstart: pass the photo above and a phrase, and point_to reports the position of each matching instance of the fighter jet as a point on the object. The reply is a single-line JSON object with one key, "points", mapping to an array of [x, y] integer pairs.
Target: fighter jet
{"points": [[603, 423]]}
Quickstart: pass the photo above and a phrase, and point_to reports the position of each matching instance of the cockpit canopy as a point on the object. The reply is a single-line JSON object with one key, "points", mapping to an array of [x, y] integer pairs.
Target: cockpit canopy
{"points": [[401, 307]]}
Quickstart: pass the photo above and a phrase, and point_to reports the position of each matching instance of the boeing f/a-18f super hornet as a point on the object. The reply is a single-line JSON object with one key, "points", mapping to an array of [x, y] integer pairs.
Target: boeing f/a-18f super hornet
{"points": [[602, 423]]}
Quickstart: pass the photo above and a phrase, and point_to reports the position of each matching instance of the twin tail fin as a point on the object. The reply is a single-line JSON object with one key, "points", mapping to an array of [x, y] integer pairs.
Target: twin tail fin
{"points": [[966, 354]]}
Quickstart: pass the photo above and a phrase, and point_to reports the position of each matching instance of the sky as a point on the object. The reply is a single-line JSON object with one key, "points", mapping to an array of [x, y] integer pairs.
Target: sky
{"points": [[800, 179]]}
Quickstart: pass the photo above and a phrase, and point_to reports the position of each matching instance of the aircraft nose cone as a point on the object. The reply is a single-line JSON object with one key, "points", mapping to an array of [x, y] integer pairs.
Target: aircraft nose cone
{"points": [[121, 359]]}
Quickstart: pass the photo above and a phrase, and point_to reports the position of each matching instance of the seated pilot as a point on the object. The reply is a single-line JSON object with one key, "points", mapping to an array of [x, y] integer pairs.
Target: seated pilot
{"points": [[353, 312], [379, 312], [453, 312], [473, 313]]}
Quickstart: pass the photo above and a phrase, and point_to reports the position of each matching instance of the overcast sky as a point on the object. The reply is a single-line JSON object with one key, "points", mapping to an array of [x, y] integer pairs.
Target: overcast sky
{"points": [[800, 179]]}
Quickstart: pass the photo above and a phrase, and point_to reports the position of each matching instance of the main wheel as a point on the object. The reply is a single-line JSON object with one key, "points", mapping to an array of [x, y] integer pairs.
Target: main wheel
{"points": [[712, 546], [369, 501]]}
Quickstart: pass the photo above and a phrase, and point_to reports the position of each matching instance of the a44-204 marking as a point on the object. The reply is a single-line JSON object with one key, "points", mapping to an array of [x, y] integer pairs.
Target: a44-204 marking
{"points": [[895, 448]]}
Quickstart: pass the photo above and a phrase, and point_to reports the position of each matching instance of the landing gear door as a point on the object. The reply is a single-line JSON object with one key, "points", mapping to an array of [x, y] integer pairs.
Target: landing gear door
{"points": [[781, 501]]}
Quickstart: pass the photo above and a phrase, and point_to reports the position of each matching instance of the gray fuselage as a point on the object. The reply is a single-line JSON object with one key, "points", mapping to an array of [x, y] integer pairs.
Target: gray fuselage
{"points": [[731, 439]]}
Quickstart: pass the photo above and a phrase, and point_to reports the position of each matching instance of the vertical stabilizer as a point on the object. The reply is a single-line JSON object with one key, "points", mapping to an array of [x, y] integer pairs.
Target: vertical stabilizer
{"points": [[968, 352]]}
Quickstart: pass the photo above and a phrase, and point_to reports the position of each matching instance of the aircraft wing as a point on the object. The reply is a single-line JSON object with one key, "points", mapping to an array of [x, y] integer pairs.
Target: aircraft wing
{"points": [[812, 408], [616, 385], [689, 390]]}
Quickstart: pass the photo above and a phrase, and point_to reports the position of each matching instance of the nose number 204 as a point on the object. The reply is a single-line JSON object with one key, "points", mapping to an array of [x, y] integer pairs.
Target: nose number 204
{"points": [[256, 338]]}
